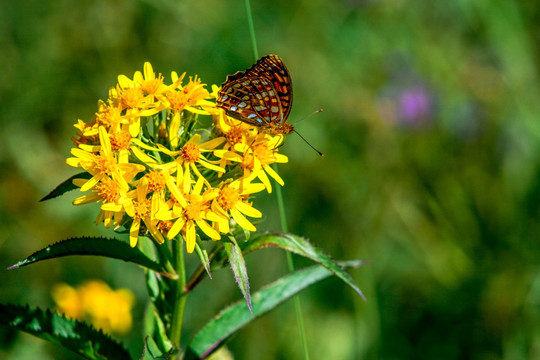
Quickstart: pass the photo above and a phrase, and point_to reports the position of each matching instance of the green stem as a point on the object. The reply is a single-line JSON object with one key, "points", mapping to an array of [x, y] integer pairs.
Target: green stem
{"points": [[290, 265], [180, 296], [281, 206], [252, 30]]}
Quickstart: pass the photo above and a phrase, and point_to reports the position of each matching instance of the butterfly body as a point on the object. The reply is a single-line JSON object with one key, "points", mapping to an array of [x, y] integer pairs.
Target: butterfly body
{"points": [[260, 96]]}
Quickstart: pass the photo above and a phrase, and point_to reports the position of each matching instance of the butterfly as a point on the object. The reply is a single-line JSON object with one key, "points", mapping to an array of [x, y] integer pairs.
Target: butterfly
{"points": [[260, 96]]}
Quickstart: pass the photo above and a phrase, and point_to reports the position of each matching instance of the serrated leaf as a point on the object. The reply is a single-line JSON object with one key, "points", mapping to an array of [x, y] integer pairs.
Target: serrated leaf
{"points": [[71, 334], [295, 244], [303, 247], [231, 319], [66, 186], [97, 246], [238, 267]]}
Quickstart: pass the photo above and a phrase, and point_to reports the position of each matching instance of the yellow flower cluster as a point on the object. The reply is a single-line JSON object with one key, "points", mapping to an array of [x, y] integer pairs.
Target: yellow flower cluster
{"points": [[94, 301], [164, 159]]}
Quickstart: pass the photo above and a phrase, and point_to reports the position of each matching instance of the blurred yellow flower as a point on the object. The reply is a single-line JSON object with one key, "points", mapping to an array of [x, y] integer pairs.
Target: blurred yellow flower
{"points": [[95, 302]]}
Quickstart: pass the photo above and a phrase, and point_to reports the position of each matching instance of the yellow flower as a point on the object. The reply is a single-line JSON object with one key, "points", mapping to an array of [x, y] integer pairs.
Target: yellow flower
{"points": [[151, 84], [111, 193], [255, 159], [232, 199], [138, 97], [189, 210], [142, 209], [187, 158], [96, 302], [68, 301], [103, 164], [148, 176], [235, 132]]}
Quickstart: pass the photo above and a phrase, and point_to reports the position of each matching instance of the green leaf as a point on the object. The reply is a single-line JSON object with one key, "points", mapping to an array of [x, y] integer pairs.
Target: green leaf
{"points": [[231, 319], [238, 267], [152, 352], [203, 256], [300, 246], [66, 186], [99, 246], [72, 334], [292, 243]]}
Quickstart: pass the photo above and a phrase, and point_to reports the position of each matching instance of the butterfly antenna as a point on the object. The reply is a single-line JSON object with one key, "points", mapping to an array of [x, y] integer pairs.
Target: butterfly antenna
{"points": [[305, 117], [307, 142]]}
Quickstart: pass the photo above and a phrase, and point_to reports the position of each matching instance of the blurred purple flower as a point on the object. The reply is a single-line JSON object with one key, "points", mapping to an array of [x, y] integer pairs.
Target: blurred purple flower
{"points": [[414, 106], [408, 106]]}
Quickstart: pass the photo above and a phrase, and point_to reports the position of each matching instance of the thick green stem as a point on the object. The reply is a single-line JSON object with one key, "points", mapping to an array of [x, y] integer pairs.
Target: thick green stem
{"points": [[180, 296]]}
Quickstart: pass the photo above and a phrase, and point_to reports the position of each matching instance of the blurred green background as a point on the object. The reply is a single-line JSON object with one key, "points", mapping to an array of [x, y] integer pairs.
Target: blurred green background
{"points": [[431, 132]]}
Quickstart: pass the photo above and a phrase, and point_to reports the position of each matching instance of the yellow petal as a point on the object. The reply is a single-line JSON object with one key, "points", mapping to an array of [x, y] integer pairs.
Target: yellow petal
{"points": [[148, 71], [248, 210], [212, 144], [134, 127], [89, 184], [175, 229], [211, 166], [90, 148], [86, 199], [198, 186], [73, 161], [156, 234], [242, 221], [262, 176], [104, 140], [111, 207], [208, 230], [143, 157], [134, 232], [190, 237], [124, 81], [273, 174]]}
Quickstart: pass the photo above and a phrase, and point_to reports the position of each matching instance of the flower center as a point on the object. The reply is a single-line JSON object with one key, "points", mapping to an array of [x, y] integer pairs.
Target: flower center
{"points": [[108, 191], [228, 197], [132, 97], [194, 91], [142, 208], [264, 154], [191, 152], [234, 136], [152, 86], [120, 140], [177, 99], [156, 181], [193, 211], [165, 226], [105, 164], [249, 161], [107, 115]]}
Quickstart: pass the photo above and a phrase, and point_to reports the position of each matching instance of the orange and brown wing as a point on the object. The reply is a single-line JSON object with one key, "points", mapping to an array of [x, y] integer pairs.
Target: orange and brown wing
{"points": [[260, 96]]}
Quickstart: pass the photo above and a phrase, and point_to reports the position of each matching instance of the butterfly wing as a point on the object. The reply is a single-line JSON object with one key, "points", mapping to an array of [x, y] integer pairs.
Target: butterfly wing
{"points": [[261, 95]]}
